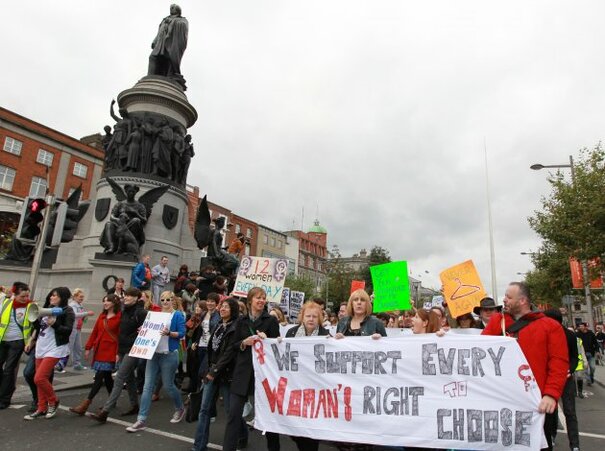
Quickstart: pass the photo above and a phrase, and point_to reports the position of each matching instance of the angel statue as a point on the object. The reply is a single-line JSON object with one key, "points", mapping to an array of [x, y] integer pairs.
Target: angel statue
{"points": [[123, 233], [208, 234]]}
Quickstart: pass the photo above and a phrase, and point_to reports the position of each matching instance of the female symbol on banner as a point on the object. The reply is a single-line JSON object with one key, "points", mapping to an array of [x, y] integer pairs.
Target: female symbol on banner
{"points": [[260, 352], [281, 268]]}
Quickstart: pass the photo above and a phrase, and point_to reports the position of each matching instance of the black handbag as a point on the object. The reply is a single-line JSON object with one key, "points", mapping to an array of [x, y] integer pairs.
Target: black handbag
{"points": [[192, 406]]}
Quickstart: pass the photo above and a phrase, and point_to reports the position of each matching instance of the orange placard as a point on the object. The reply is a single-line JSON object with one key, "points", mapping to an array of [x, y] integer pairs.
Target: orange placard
{"points": [[462, 288], [577, 276]]}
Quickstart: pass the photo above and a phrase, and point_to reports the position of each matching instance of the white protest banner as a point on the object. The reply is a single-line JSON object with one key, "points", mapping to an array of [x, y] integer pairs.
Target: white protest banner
{"points": [[297, 299], [460, 392], [266, 273], [149, 336], [398, 331]]}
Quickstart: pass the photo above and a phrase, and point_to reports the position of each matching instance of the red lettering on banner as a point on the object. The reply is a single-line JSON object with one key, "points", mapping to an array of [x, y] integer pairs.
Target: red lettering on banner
{"points": [[307, 403], [276, 397], [260, 351]]}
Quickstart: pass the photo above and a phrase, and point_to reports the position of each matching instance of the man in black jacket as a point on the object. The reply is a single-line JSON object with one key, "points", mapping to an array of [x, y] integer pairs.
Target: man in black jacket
{"points": [[568, 397], [591, 347], [133, 317]]}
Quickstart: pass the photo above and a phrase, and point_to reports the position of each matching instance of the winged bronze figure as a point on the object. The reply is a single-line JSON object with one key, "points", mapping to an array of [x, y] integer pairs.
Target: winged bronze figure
{"points": [[124, 232]]}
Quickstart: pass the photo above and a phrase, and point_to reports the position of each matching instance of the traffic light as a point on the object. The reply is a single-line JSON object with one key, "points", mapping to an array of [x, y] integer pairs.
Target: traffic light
{"points": [[31, 219], [65, 218]]}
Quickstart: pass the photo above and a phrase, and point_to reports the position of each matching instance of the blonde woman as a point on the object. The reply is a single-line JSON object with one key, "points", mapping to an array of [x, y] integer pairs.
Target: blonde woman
{"points": [[75, 339], [359, 320]]}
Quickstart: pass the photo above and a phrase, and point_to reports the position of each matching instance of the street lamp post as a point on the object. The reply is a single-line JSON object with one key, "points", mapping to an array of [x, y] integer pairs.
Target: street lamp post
{"points": [[587, 296]]}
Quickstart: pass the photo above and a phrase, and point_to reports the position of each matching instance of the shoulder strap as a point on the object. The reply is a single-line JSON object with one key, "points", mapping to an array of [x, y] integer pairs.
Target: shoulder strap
{"points": [[113, 337], [515, 327]]}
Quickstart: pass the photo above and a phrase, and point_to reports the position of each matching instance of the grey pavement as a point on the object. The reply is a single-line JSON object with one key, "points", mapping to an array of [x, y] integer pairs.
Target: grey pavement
{"points": [[67, 429]]}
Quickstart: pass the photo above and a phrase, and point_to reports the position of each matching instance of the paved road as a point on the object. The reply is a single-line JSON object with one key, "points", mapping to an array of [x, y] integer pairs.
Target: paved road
{"points": [[70, 431]]}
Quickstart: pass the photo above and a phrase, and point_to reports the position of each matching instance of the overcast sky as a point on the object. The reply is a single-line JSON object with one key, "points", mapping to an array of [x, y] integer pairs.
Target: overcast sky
{"points": [[371, 114]]}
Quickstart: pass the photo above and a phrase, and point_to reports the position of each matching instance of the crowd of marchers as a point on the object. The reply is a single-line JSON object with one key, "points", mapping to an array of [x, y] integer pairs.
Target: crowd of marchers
{"points": [[210, 338]]}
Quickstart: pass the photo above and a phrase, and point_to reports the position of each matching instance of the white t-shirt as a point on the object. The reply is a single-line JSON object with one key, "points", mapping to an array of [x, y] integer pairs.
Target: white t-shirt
{"points": [[46, 346], [205, 337], [14, 331]]}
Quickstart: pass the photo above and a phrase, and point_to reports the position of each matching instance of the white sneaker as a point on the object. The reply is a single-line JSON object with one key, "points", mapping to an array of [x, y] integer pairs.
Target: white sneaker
{"points": [[137, 426], [178, 416]]}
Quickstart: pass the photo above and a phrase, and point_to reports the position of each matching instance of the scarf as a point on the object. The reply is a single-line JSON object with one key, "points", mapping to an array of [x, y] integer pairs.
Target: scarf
{"points": [[218, 335], [301, 332]]}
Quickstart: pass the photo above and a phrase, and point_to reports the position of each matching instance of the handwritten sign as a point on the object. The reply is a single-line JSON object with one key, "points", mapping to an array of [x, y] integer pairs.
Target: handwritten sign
{"points": [[149, 339], [266, 273], [462, 288], [391, 286], [452, 392], [297, 299], [285, 301]]}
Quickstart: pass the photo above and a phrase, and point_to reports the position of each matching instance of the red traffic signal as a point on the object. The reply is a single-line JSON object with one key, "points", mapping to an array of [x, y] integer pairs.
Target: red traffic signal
{"points": [[31, 219], [37, 205]]}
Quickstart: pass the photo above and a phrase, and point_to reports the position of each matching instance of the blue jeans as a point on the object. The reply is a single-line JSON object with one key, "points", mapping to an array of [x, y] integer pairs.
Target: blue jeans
{"points": [[591, 367], [209, 393], [165, 365]]}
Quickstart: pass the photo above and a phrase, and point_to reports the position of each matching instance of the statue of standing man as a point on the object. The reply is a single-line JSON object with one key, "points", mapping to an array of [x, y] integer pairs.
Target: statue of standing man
{"points": [[169, 45]]}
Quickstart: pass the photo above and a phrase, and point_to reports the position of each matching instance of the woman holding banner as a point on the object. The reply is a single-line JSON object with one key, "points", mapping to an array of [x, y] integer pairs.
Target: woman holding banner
{"points": [[258, 324], [359, 321], [164, 364], [311, 318], [426, 322]]}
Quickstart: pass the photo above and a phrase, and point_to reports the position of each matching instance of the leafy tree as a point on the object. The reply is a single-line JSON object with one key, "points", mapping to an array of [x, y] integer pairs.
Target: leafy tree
{"points": [[377, 256], [301, 283], [573, 215], [572, 224], [340, 276]]}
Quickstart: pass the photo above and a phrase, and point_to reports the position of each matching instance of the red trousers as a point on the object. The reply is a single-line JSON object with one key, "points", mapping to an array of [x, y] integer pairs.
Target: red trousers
{"points": [[46, 394]]}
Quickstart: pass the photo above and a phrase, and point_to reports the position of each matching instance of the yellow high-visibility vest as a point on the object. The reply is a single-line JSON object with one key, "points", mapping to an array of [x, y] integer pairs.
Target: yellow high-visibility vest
{"points": [[5, 316], [580, 366]]}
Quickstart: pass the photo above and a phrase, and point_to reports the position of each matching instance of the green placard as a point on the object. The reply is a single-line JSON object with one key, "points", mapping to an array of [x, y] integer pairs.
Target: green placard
{"points": [[391, 286]]}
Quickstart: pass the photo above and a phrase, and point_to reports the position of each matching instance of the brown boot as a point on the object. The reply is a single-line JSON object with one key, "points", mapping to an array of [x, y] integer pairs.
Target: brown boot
{"points": [[81, 408], [101, 416]]}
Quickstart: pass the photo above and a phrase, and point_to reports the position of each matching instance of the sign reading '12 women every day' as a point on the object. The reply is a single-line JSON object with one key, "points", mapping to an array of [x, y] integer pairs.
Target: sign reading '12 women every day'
{"points": [[452, 392], [266, 273], [391, 286]]}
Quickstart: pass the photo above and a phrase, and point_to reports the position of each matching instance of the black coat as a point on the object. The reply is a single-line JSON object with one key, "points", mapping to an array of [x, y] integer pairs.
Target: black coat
{"points": [[63, 326], [133, 317], [292, 331], [222, 361], [243, 373]]}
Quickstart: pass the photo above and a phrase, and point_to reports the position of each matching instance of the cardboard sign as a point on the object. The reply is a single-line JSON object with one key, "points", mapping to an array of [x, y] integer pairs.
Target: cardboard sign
{"points": [[297, 299], [462, 288], [452, 392], [391, 286], [357, 285], [285, 301], [266, 273], [149, 340]]}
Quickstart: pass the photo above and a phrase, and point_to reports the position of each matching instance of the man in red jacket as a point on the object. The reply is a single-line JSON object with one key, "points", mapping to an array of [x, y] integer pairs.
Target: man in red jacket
{"points": [[543, 342]]}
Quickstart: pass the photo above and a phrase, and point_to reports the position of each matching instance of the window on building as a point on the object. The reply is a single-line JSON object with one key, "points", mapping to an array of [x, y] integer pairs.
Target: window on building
{"points": [[7, 177], [238, 228], [247, 250], [38, 187], [279, 244], [273, 242], [249, 232], [265, 238], [45, 157], [11, 145], [319, 266], [71, 191], [80, 170]]}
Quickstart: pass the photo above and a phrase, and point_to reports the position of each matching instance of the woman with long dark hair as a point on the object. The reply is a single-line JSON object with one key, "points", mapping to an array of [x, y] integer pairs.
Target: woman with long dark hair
{"points": [[103, 341], [221, 358], [52, 345]]}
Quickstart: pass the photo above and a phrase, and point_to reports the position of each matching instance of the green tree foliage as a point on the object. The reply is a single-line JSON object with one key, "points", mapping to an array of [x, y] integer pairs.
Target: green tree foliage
{"points": [[340, 276], [573, 216], [377, 256], [571, 223], [301, 283]]}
